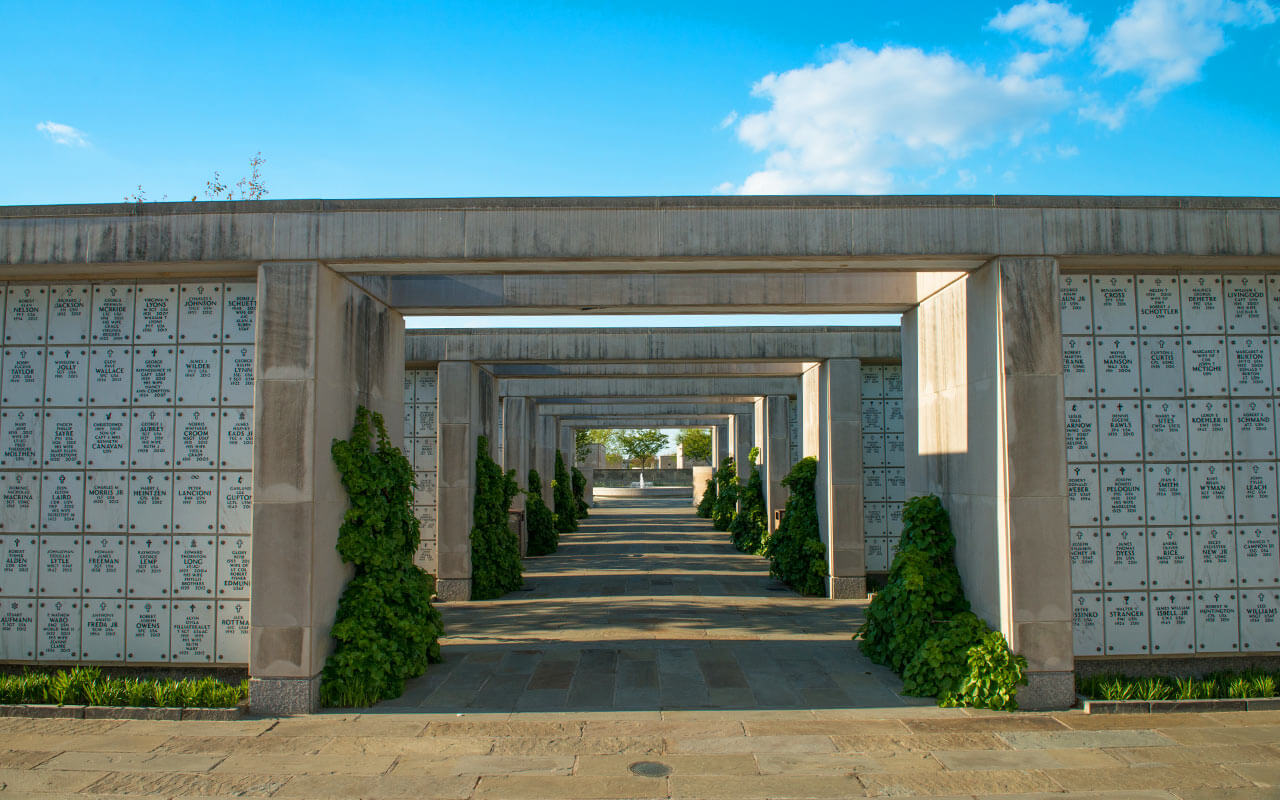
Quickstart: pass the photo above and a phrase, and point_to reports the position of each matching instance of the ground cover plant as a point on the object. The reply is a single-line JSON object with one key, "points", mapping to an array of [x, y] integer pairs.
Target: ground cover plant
{"points": [[566, 506], [88, 686], [538, 519], [495, 550], [749, 525], [1214, 686], [385, 629], [795, 551], [726, 504]]}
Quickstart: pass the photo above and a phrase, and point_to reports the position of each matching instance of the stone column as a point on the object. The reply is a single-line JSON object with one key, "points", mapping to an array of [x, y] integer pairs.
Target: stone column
{"points": [[839, 482], [460, 420], [568, 448], [724, 435], [778, 454], [324, 346], [545, 458], [715, 447], [983, 382], [515, 452], [742, 434]]}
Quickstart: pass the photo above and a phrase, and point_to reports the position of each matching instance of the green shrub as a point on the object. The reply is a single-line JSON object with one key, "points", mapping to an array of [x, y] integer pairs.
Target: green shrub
{"points": [[942, 662], [1216, 685], [725, 506], [566, 507], [495, 550], [538, 520], [385, 629], [993, 678], [580, 492], [796, 552], [708, 500], [750, 524], [87, 686]]}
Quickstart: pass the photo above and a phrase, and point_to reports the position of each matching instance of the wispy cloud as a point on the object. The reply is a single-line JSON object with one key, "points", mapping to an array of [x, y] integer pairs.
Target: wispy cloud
{"points": [[63, 134], [1048, 24]]}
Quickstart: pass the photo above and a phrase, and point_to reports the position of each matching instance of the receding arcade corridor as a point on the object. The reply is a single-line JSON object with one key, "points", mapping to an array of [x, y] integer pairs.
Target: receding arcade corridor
{"points": [[646, 606]]}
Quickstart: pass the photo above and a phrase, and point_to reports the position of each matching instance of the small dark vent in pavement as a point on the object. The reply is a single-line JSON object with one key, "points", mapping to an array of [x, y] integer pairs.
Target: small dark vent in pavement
{"points": [[650, 769]]}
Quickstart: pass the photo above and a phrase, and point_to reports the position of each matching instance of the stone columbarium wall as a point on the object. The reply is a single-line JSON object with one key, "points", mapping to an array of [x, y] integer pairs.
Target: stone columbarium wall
{"points": [[126, 456], [884, 480], [420, 400], [1171, 387]]}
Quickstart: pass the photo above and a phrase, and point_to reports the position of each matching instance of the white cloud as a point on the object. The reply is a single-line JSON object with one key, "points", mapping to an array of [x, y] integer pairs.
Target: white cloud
{"points": [[1068, 151], [862, 120], [64, 134], [729, 119], [1166, 42], [965, 178], [1049, 24]]}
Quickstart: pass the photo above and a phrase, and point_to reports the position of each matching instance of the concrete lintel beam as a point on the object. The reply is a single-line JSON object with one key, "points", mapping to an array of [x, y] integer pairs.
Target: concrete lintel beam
{"points": [[650, 368], [647, 387]]}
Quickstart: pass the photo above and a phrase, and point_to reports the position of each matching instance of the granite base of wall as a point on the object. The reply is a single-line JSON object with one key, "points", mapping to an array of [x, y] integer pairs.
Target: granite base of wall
{"points": [[1046, 691], [847, 588], [274, 697], [450, 589]]}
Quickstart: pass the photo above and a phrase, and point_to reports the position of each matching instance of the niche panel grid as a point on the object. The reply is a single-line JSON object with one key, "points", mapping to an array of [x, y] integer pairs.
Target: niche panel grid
{"points": [[1170, 385], [420, 399], [884, 477], [126, 450]]}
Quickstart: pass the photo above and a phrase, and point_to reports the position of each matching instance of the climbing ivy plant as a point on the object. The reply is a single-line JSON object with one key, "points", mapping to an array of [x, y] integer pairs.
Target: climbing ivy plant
{"points": [[385, 630], [795, 550], [749, 525], [562, 495], [538, 519], [726, 504], [495, 550], [580, 492]]}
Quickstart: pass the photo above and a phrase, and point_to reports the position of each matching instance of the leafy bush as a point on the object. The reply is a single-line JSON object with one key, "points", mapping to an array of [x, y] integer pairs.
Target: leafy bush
{"points": [[942, 662], [725, 506], [495, 550], [385, 629], [750, 525], [580, 492], [994, 675], [538, 520], [562, 496], [708, 500], [87, 686], [796, 552]]}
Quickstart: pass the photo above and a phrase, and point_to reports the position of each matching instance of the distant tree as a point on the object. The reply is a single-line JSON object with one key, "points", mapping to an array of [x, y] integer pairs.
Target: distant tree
{"points": [[642, 445], [696, 443], [605, 438]]}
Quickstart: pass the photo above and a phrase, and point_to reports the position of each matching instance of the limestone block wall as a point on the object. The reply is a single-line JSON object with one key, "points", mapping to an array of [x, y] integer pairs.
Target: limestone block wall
{"points": [[420, 403], [884, 480], [126, 457], [1170, 387]]}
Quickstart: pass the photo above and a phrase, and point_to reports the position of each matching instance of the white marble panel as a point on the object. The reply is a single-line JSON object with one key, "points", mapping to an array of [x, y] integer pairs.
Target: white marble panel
{"points": [[426, 521], [1086, 559], [21, 438], [110, 375], [155, 319], [194, 566], [19, 501], [1078, 378], [1168, 494], [1249, 366], [1086, 624], [893, 381], [232, 638], [61, 557], [17, 630], [195, 441], [1255, 492], [1212, 494], [61, 502], [235, 447], [1123, 498], [1172, 623], [192, 637], [1114, 304], [1124, 558], [424, 494], [408, 420], [1162, 371], [149, 565], [875, 519], [895, 484], [106, 501], [425, 389], [873, 450], [877, 552], [894, 543], [235, 502], [895, 520], [66, 376], [150, 502], [58, 630], [1257, 562], [26, 314], [872, 416], [424, 556], [1159, 305], [237, 375], [195, 502], [1075, 297], [146, 634], [234, 572], [1217, 622], [1128, 623], [1117, 366], [151, 438], [154, 375], [895, 453], [239, 307], [1082, 494], [424, 454], [1169, 558], [64, 432], [23, 376], [424, 422], [1273, 301], [873, 485], [1205, 358], [1120, 430], [200, 312], [1209, 429], [1202, 304], [112, 313], [1164, 425], [1253, 428], [198, 381], [1213, 554], [1260, 621], [1246, 303], [102, 630], [409, 380], [105, 559], [894, 421], [19, 555], [69, 312], [107, 438], [872, 382]]}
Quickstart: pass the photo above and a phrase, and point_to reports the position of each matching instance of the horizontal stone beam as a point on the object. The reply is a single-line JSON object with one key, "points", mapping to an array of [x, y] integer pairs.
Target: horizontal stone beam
{"points": [[641, 409], [743, 386], [647, 368], [644, 423]]}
